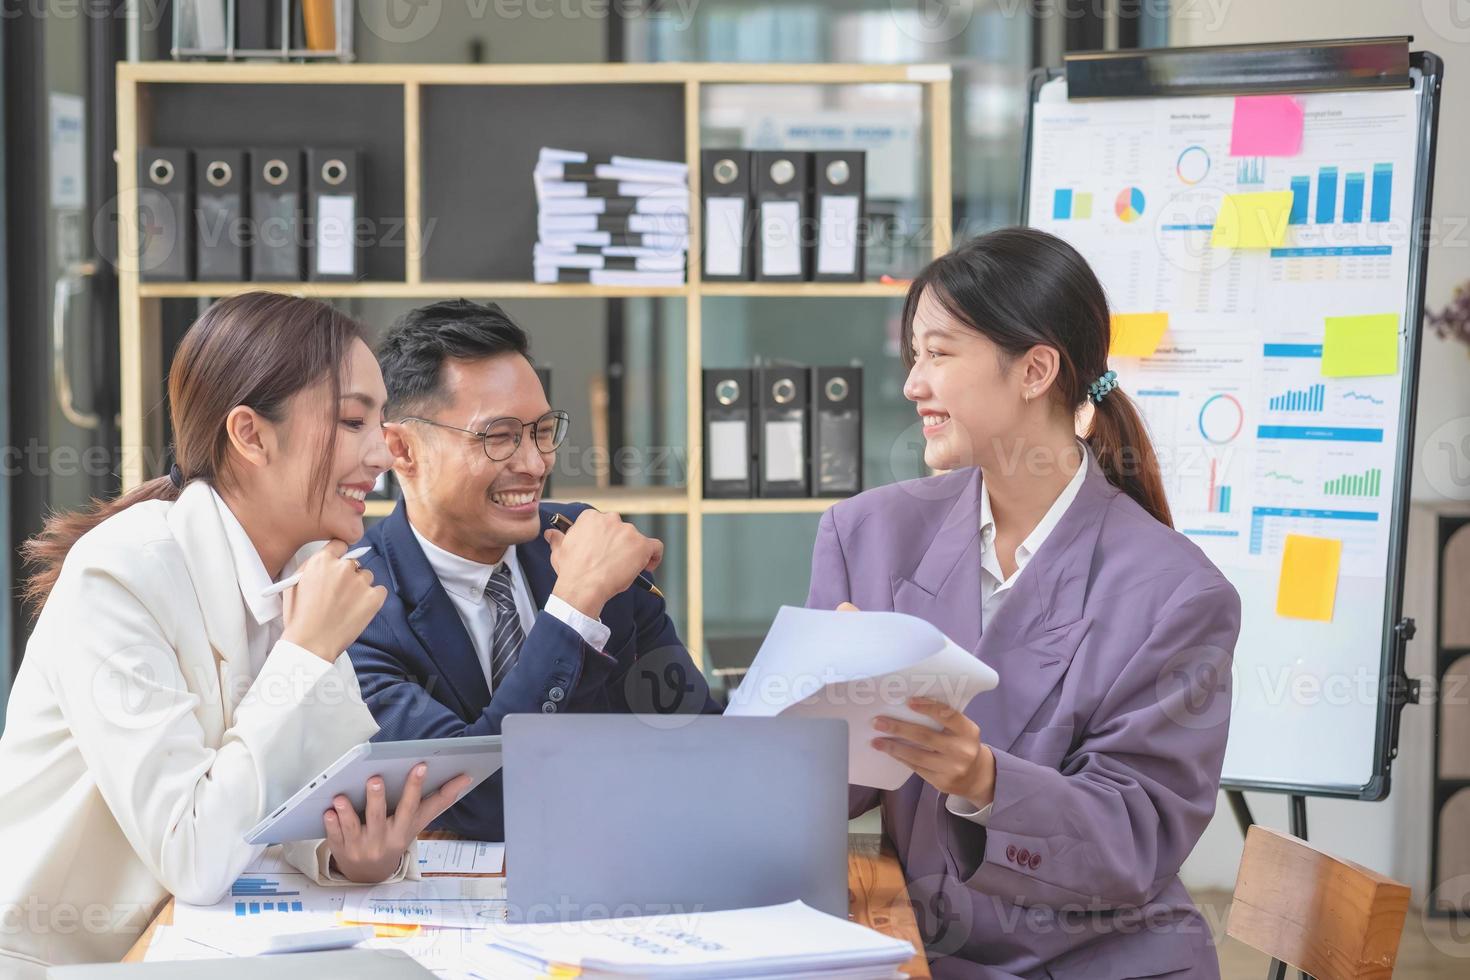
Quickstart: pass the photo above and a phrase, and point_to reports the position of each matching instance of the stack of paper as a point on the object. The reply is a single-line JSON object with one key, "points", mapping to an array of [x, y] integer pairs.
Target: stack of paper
{"points": [[777, 941], [618, 221]]}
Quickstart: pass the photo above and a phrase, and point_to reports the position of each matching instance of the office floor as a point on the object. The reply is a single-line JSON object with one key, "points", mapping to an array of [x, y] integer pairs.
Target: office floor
{"points": [[1426, 951]]}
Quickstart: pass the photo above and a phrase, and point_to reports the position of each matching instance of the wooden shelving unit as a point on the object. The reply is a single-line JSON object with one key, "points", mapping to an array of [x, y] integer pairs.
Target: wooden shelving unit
{"points": [[138, 84]]}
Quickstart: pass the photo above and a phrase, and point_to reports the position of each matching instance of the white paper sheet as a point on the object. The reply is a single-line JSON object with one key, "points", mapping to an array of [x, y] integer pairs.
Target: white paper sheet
{"points": [[818, 663], [776, 940], [292, 902], [455, 903], [781, 238], [460, 857]]}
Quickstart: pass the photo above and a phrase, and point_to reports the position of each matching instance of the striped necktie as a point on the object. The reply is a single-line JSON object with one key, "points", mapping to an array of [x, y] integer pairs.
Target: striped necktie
{"points": [[505, 643]]}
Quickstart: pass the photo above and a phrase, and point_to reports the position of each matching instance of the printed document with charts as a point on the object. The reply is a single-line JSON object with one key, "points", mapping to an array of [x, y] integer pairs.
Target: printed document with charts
{"points": [[777, 941], [855, 666]]}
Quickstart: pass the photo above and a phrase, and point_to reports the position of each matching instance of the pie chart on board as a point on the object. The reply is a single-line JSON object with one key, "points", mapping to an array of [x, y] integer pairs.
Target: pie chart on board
{"points": [[1129, 206], [1193, 164]]}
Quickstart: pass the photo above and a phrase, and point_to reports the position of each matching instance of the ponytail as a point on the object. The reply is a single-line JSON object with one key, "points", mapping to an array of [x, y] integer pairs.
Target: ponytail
{"points": [[1125, 454], [255, 349], [48, 549]]}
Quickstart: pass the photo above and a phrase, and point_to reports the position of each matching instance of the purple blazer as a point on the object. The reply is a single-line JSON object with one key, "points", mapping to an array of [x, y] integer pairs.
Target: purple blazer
{"points": [[1114, 650]]}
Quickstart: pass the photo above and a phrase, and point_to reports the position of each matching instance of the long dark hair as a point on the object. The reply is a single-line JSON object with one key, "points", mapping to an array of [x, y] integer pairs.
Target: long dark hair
{"points": [[1021, 287], [256, 349]]}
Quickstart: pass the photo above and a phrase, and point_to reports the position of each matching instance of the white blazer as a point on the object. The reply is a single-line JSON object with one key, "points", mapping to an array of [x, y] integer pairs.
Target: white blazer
{"points": [[138, 748]]}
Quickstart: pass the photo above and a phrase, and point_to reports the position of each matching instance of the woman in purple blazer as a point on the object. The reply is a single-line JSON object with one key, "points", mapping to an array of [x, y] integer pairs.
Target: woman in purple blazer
{"points": [[1043, 829]]}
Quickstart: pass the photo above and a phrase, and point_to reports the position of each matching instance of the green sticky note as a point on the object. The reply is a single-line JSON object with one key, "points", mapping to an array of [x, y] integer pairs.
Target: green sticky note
{"points": [[1355, 346]]}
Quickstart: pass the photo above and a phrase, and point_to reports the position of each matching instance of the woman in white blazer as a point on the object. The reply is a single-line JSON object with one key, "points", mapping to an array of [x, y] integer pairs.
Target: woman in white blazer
{"points": [[163, 703]]}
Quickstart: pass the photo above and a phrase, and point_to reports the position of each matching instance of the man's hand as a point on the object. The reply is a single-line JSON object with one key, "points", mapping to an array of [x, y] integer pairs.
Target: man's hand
{"points": [[598, 558]]}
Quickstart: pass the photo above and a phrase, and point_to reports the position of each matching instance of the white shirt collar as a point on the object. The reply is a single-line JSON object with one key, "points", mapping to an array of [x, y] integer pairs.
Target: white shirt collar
{"points": [[460, 576], [249, 569], [1029, 547]]}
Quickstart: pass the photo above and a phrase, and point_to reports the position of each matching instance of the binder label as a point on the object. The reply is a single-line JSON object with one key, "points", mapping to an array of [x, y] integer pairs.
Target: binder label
{"points": [[729, 450], [780, 238], [837, 247], [724, 219], [334, 230]]}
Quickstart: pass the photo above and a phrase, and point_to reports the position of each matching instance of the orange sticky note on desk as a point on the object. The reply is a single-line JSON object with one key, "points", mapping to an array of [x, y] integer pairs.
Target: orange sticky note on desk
{"points": [[1266, 126], [1252, 220], [1308, 586], [1359, 346], [1137, 334]]}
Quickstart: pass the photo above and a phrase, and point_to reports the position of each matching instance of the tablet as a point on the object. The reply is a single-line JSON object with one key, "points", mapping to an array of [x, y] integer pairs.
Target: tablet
{"points": [[300, 817]]}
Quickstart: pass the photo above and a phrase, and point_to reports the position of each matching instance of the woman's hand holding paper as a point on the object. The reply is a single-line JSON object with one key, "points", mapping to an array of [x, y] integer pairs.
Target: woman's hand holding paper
{"points": [[953, 759]]}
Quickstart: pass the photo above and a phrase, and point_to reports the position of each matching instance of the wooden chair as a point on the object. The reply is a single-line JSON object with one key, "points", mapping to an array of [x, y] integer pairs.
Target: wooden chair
{"points": [[1327, 917]]}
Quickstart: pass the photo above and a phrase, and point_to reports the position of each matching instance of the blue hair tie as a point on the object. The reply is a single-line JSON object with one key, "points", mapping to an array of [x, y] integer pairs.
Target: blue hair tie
{"points": [[1099, 388]]}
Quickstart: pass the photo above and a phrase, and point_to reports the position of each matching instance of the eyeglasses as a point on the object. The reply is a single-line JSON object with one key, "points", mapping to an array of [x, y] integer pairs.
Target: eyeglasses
{"points": [[502, 437]]}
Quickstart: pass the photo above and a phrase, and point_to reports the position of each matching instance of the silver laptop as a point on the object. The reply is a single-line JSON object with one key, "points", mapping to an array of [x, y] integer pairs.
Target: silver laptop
{"points": [[613, 815]]}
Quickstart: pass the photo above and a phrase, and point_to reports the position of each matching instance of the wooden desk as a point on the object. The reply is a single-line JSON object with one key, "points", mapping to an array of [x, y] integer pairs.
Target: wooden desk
{"points": [[876, 896]]}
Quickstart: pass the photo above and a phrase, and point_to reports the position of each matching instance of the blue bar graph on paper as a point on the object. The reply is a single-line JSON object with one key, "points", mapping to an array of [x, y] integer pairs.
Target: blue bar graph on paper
{"points": [[1061, 204], [247, 886], [1326, 195], [1352, 199], [1310, 399], [259, 908], [1299, 190], [1382, 191]]}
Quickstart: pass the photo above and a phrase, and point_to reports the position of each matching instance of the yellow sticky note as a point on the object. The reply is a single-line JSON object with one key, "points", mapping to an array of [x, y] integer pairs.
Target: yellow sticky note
{"points": [[1137, 334], [1354, 346], [1252, 220], [1308, 586]]}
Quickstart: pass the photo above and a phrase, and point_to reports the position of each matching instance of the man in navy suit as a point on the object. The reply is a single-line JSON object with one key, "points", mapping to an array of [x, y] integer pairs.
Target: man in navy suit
{"points": [[488, 612]]}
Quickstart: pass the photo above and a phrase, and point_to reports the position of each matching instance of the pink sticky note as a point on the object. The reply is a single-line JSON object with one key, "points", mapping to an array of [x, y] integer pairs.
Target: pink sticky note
{"points": [[1266, 126]]}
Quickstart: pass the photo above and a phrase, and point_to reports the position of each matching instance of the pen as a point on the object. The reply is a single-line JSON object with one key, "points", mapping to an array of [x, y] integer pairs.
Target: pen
{"points": [[563, 524], [291, 580]]}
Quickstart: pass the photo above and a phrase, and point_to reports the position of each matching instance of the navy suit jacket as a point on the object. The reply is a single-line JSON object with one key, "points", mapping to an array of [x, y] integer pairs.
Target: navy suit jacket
{"points": [[421, 679]]}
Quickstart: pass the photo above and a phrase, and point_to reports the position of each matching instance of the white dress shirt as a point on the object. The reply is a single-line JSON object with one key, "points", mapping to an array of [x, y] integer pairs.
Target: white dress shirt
{"points": [[265, 624], [994, 586], [466, 581]]}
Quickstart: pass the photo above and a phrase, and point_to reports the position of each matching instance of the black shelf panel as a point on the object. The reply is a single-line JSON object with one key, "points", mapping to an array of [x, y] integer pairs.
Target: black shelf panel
{"points": [[479, 204], [366, 116]]}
